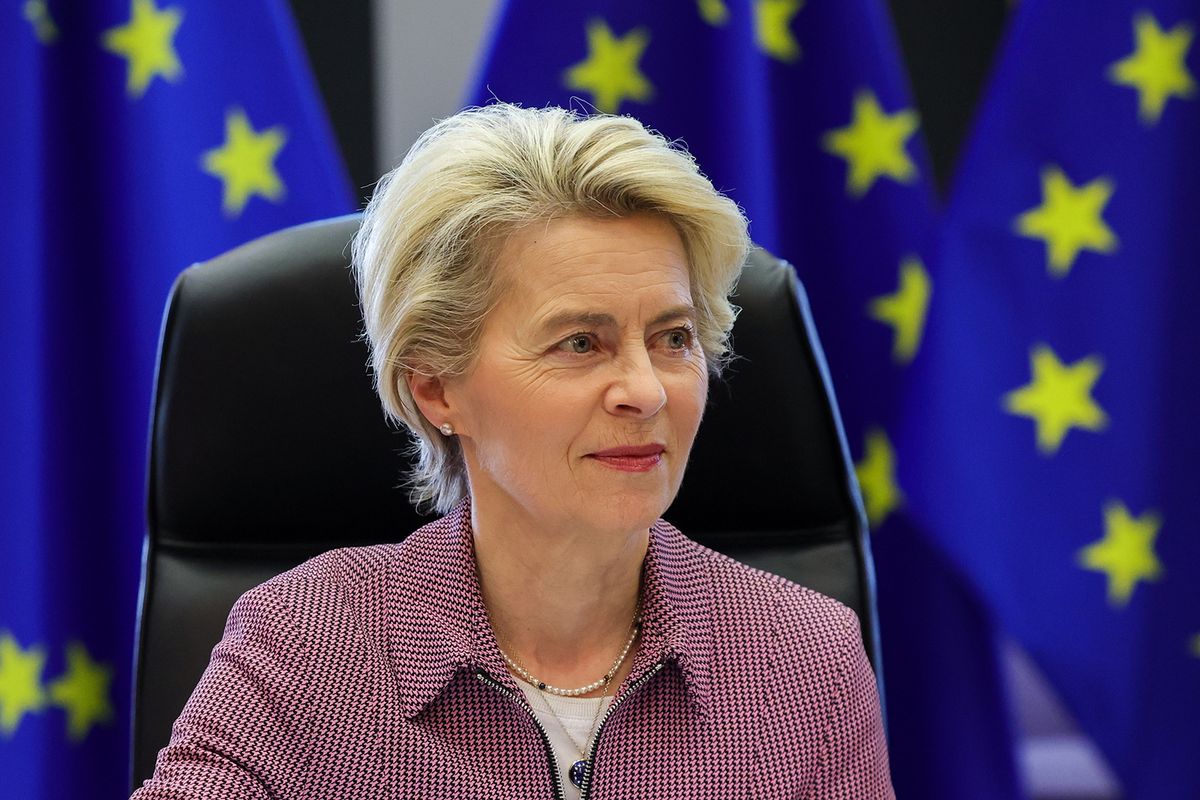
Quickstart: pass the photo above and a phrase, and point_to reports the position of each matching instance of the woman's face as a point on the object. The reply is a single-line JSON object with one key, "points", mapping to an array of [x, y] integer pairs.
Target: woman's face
{"points": [[589, 385]]}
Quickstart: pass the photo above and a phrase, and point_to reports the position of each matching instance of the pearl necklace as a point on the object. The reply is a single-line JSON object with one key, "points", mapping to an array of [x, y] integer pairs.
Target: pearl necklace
{"points": [[526, 676]]}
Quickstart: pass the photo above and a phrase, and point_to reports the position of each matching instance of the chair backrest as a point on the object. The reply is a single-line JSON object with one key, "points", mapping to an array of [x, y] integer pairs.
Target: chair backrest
{"points": [[268, 446]]}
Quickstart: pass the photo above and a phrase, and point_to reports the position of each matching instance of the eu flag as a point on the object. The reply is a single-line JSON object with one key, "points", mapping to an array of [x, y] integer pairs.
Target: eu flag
{"points": [[800, 113], [140, 136], [1051, 444]]}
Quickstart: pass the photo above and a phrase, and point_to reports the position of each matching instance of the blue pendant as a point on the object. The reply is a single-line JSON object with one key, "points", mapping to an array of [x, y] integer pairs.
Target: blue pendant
{"points": [[578, 770]]}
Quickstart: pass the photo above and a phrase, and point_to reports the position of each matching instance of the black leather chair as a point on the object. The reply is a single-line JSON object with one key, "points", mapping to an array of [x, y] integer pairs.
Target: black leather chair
{"points": [[268, 446]]}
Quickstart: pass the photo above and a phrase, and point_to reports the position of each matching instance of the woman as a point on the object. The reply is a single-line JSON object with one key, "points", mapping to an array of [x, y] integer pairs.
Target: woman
{"points": [[545, 297]]}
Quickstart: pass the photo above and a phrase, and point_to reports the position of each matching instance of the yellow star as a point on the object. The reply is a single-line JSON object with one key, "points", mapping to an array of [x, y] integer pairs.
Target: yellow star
{"points": [[905, 310], [20, 682], [1058, 398], [873, 144], [877, 477], [610, 72], [772, 19], [1156, 68], [1126, 553], [714, 12], [82, 692], [1194, 645], [38, 15], [1069, 219], [147, 41], [246, 162]]}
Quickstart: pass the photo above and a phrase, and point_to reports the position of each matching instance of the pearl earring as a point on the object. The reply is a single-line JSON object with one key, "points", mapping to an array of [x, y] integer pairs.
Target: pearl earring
{"points": [[446, 428]]}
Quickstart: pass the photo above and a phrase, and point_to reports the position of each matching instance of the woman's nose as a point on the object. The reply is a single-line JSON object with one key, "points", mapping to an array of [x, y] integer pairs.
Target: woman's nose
{"points": [[637, 390]]}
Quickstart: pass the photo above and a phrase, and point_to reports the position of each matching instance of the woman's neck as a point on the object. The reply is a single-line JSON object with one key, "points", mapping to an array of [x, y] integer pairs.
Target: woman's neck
{"points": [[562, 604]]}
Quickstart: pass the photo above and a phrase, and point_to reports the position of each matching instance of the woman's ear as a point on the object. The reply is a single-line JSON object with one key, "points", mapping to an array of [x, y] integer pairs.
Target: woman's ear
{"points": [[429, 393]]}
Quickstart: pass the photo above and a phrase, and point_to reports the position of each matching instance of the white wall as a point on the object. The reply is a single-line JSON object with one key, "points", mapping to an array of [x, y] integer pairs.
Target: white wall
{"points": [[425, 53]]}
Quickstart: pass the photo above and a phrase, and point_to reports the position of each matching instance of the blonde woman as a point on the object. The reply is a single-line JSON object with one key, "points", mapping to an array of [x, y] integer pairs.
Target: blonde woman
{"points": [[546, 298]]}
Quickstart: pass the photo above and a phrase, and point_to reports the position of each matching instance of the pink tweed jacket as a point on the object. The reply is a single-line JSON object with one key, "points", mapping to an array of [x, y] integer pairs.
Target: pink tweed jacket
{"points": [[373, 673]]}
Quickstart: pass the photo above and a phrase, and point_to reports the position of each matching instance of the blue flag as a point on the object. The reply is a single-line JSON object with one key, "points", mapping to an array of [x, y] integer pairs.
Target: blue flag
{"points": [[141, 136], [1052, 443], [799, 112]]}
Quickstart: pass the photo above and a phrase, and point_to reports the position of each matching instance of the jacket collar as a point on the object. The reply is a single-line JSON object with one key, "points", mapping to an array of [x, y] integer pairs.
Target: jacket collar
{"points": [[439, 624]]}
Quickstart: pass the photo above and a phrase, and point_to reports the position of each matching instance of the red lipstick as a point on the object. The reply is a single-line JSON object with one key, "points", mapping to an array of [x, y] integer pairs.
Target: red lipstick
{"points": [[641, 458]]}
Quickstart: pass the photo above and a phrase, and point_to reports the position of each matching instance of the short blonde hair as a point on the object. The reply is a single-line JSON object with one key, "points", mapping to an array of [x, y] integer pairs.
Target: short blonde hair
{"points": [[425, 255]]}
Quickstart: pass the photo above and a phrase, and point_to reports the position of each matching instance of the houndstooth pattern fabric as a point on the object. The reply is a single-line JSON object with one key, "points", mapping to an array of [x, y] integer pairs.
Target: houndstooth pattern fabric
{"points": [[373, 673]]}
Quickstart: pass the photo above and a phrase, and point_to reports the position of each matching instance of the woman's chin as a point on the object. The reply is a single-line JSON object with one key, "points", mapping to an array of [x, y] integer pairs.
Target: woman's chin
{"points": [[629, 510]]}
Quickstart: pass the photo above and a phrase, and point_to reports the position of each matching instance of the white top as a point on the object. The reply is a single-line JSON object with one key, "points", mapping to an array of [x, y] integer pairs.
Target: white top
{"points": [[576, 714]]}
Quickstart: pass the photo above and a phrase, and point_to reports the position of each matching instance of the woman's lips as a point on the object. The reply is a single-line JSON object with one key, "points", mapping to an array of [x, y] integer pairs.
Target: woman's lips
{"points": [[642, 458]]}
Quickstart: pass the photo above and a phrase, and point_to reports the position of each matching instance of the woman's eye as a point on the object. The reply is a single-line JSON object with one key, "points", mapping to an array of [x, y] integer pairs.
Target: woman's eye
{"points": [[579, 343], [679, 339]]}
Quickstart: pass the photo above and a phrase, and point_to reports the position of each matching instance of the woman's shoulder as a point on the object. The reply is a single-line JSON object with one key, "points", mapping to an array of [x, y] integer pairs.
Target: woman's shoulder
{"points": [[355, 565], [354, 581], [752, 595], [330, 570], [305, 606], [804, 648]]}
